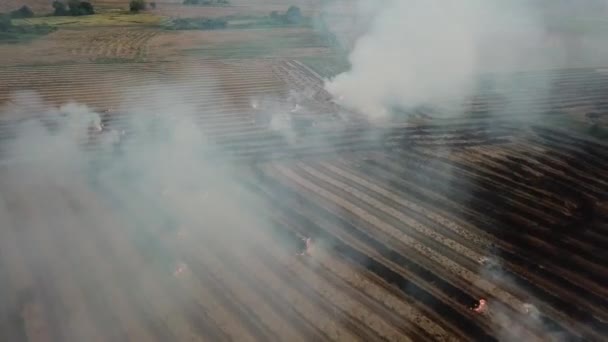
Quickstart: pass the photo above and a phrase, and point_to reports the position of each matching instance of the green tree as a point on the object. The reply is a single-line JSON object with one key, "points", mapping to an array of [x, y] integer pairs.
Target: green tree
{"points": [[137, 5], [23, 12], [86, 8], [77, 8], [59, 8], [74, 7]]}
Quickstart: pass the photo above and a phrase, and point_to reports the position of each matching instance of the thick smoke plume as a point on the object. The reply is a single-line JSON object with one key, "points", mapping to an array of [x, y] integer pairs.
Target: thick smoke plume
{"points": [[152, 181], [431, 52]]}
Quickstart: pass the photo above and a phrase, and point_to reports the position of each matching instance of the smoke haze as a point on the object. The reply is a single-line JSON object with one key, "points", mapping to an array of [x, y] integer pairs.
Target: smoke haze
{"points": [[432, 52], [152, 181]]}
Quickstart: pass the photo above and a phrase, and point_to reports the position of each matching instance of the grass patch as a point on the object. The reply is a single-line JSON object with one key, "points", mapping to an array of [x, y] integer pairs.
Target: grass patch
{"points": [[102, 19], [232, 22], [197, 24], [264, 22], [232, 51]]}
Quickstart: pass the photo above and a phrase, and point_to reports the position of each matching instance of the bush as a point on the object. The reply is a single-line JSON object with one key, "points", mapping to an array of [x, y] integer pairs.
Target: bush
{"points": [[137, 5], [60, 8], [10, 32], [23, 12], [74, 7], [77, 8], [86, 8]]}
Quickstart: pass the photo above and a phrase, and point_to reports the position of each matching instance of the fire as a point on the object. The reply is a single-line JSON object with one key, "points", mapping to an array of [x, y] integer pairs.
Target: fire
{"points": [[481, 307], [181, 269]]}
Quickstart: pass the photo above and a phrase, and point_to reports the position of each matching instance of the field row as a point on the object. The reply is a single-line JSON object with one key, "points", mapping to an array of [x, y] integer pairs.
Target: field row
{"points": [[234, 87], [436, 224], [405, 242]]}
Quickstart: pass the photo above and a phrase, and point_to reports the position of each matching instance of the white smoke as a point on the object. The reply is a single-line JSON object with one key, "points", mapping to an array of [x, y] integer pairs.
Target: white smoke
{"points": [[149, 191], [421, 52], [279, 114]]}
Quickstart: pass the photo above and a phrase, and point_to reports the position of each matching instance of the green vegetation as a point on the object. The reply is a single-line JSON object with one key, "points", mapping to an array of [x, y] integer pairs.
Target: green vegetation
{"points": [[23, 12], [206, 2], [263, 22], [59, 8], [6, 23], [77, 8], [292, 16], [197, 24], [10, 33], [137, 5], [232, 22], [73, 8]]}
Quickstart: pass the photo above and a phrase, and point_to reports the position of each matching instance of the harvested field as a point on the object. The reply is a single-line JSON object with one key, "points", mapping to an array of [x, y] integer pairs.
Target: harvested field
{"points": [[179, 210], [125, 43], [223, 91], [129, 44], [237, 44], [82, 45], [413, 225]]}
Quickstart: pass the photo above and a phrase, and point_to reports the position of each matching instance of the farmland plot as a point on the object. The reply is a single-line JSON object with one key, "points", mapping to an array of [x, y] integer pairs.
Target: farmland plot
{"points": [[223, 97], [82, 45], [424, 212], [124, 43], [411, 224], [405, 242]]}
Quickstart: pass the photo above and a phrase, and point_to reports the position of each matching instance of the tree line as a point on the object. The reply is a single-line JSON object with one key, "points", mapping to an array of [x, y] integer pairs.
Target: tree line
{"points": [[72, 8], [60, 8]]}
